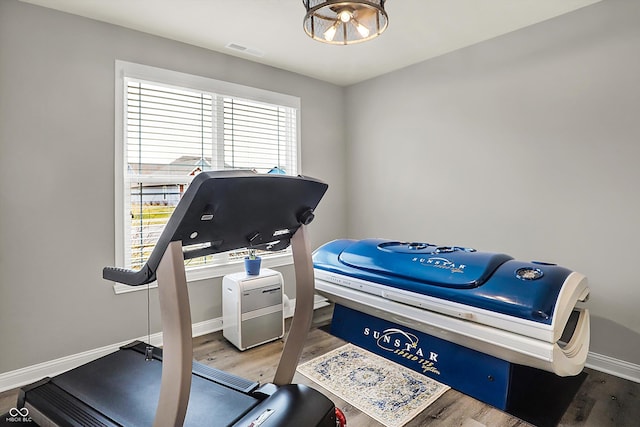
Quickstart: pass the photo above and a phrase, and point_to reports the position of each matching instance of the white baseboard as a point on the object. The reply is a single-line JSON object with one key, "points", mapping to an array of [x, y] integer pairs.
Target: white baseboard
{"points": [[616, 367], [30, 374]]}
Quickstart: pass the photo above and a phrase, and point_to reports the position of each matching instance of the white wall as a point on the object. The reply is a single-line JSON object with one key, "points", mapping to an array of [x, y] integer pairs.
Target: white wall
{"points": [[57, 176], [526, 144]]}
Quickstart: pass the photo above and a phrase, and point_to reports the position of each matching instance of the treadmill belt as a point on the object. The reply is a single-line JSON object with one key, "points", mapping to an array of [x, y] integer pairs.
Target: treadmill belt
{"points": [[125, 388]]}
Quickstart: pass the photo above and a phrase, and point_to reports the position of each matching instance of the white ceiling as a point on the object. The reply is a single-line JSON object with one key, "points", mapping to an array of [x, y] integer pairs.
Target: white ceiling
{"points": [[418, 29]]}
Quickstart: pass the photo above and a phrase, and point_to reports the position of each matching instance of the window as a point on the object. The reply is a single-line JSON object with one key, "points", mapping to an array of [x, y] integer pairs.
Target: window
{"points": [[173, 126]]}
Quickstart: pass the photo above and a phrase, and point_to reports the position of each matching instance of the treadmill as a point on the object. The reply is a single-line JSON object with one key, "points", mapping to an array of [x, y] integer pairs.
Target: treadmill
{"points": [[140, 385]]}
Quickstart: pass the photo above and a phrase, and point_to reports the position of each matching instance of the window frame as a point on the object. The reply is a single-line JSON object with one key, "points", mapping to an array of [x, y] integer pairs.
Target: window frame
{"points": [[127, 70]]}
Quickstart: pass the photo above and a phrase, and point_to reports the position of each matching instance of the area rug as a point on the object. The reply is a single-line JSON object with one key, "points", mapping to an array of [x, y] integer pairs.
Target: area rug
{"points": [[384, 390]]}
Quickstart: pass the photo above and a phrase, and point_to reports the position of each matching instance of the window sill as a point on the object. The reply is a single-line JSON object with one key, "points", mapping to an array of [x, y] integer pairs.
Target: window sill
{"points": [[210, 272]]}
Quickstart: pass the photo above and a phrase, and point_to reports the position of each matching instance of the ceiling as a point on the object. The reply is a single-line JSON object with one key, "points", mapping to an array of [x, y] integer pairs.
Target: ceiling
{"points": [[271, 30]]}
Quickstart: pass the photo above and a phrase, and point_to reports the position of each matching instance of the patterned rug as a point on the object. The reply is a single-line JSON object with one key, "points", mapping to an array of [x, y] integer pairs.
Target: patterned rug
{"points": [[384, 390]]}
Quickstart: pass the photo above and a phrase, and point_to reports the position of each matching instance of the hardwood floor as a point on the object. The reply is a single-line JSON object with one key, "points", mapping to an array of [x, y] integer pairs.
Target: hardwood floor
{"points": [[603, 400]]}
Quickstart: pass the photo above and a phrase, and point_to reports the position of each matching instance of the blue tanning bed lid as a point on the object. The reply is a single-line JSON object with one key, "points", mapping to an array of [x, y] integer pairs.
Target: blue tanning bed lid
{"points": [[447, 266], [490, 281]]}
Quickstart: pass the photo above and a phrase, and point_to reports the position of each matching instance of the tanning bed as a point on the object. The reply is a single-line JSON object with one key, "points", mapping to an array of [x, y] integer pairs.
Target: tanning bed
{"points": [[470, 319]]}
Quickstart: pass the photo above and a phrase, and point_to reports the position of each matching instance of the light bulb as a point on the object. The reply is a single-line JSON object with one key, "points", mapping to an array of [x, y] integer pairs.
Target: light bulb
{"points": [[331, 32], [345, 16], [364, 31]]}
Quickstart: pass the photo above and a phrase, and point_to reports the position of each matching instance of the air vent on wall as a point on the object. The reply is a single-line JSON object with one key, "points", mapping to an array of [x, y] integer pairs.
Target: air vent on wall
{"points": [[244, 49]]}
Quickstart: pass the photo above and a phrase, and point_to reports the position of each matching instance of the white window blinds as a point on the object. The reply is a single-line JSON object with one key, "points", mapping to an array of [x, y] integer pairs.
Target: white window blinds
{"points": [[259, 136], [173, 133]]}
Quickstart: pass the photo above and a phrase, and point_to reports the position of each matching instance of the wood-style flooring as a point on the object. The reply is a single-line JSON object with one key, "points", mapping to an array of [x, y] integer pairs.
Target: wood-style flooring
{"points": [[603, 400]]}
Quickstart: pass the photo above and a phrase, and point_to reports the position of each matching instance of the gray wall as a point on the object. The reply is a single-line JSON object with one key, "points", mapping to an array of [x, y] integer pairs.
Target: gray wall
{"points": [[57, 176], [526, 144]]}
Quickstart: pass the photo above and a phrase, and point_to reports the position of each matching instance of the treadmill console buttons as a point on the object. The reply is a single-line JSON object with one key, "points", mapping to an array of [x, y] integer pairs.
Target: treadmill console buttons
{"points": [[528, 273]]}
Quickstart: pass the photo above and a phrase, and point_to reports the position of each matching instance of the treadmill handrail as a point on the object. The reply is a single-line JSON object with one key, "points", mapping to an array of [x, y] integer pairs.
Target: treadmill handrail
{"points": [[128, 276]]}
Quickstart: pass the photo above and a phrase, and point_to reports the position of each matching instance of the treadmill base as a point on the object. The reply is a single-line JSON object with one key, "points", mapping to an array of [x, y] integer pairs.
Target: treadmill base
{"points": [[128, 396]]}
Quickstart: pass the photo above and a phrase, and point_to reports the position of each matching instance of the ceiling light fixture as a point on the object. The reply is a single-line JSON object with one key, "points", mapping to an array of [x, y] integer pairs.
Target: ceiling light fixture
{"points": [[344, 22]]}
